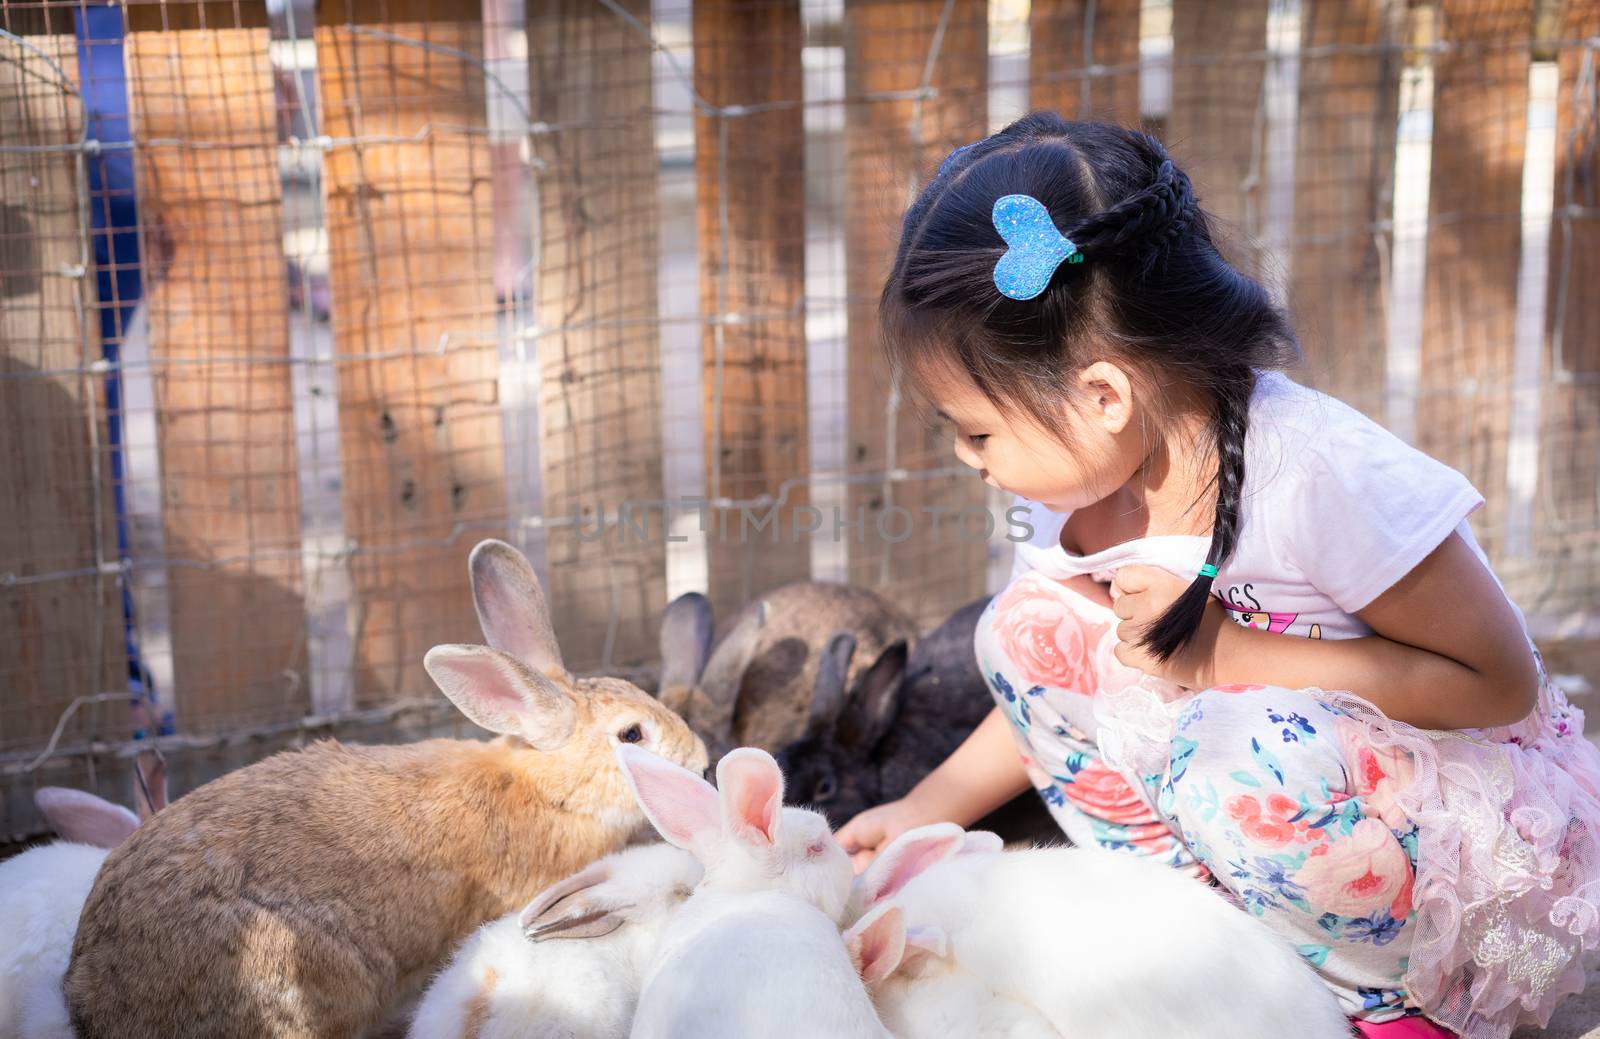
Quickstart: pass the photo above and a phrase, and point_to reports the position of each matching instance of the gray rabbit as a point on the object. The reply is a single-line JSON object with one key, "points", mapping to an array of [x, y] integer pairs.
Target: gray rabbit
{"points": [[875, 731]]}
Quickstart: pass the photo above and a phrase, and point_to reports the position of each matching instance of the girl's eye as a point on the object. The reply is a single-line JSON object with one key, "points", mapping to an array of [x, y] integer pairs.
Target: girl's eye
{"points": [[977, 441], [632, 734]]}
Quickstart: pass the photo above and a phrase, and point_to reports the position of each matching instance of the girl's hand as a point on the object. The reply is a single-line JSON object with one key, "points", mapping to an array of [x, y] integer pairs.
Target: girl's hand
{"points": [[1140, 595], [871, 831]]}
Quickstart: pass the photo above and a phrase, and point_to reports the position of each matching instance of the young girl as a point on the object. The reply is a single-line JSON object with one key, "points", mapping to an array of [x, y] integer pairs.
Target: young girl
{"points": [[1226, 546]]}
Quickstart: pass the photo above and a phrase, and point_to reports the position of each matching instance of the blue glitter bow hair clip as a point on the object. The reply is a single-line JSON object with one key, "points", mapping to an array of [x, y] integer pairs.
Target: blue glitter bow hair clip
{"points": [[1037, 247]]}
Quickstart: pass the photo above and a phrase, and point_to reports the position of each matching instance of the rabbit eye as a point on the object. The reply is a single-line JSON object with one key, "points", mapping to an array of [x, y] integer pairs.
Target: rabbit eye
{"points": [[826, 788], [632, 734], [816, 850]]}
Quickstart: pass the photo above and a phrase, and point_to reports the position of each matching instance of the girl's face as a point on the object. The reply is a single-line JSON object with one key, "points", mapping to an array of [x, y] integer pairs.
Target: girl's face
{"points": [[1094, 450]]}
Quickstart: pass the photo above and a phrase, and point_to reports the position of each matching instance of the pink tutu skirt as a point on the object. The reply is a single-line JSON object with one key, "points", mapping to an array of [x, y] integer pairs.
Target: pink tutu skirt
{"points": [[1508, 864]]}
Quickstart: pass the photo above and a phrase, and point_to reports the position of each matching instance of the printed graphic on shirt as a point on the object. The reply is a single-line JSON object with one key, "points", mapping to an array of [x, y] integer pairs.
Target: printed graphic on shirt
{"points": [[1246, 611]]}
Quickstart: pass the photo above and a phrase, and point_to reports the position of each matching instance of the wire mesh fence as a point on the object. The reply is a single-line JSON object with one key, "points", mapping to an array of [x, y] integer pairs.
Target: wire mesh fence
{"points": [[299, 301]]}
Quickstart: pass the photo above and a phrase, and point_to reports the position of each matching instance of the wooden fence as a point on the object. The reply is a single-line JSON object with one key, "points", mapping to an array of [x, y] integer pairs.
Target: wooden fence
{"points": [[297, 303]]}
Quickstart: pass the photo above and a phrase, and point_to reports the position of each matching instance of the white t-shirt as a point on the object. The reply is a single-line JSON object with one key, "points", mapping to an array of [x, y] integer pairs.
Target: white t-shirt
{"points": [[1335, 511]]}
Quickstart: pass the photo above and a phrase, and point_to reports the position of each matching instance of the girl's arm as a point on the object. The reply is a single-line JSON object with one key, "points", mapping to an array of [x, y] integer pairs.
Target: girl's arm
{"points": [[1448, 651], [981, 775]]}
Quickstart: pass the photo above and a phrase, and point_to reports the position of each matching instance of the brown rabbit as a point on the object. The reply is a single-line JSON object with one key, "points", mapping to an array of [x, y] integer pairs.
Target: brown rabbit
{"points": [[309, 894], [774, 698], [702, 686]]}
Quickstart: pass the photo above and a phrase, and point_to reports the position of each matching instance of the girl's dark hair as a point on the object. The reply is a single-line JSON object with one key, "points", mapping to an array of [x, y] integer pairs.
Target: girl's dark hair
{"points": [[1152, 291]]}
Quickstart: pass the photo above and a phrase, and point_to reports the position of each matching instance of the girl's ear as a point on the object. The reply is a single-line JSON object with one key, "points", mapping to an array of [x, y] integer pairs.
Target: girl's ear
{"points": [[1108, 395]]}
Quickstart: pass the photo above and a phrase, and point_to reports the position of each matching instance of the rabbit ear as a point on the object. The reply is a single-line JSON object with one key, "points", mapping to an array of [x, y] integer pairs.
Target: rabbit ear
{"points": [[725, 670], [150, 783], [503, 694], [577, 907], [85, 818], [827, 697], [981, 842], [906, 858], [679, 804], [511, 607], [925, 941], [751, 785], [685, 646], [877, 944], [875, 698]]}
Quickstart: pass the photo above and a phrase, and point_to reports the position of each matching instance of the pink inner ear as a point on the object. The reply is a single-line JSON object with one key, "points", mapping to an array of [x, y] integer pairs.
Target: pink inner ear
{"points": [[877, 944], [480, 684], [82, 817], [680, 805], [752, 793], [903, 863]]}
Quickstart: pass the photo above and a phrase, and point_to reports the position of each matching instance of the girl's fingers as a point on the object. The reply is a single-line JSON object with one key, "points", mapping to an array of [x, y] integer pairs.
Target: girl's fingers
{"points": [[859, 834], [862, 859], [1132, 579]]}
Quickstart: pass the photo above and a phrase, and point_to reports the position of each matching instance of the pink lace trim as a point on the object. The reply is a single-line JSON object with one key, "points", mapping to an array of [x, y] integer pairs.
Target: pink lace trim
{"points": [[1508, 864]]}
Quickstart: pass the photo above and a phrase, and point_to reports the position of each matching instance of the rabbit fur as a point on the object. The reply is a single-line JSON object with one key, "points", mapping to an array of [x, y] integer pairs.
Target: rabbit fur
{"points": [[921, 992], [571, 962], [44, 891], [760, 677], [700, 685], [756, 949], [311, 893], [870, 739], [1103, 944]]}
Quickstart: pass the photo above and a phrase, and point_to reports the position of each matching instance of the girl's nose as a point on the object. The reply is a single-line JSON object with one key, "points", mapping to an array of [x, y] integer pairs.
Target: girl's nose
{"points": [[966, 454]]}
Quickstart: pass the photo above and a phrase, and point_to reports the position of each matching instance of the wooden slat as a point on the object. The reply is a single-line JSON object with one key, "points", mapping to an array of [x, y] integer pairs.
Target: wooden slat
{"points": [[1216, 94], [166, 16], [1344, 187], [1068, 37], [599, 357], [887, 45], [410, 242], [219, 337], [28, 18], [1480, 101], [61, 637], [752, 218], [1567, 507]]}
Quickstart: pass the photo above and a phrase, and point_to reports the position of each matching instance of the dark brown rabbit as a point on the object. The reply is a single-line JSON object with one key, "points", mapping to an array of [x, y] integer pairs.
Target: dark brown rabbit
{"points": [[791, 626], [309, 894], [877, 728]]}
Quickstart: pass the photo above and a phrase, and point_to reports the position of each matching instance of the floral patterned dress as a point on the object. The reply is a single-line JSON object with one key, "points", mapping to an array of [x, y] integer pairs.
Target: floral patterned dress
{"points": [[1302, 805]]}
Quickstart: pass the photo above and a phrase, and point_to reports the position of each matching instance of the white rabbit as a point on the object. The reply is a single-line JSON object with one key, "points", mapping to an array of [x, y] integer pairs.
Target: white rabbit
{"points": [[43, 892], [921, 992], [756, 950], [1108, 945], [513, 980]]}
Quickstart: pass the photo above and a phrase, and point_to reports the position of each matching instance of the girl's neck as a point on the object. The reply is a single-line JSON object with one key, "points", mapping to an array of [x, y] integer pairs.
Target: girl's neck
{"points": [[1170, 493]]}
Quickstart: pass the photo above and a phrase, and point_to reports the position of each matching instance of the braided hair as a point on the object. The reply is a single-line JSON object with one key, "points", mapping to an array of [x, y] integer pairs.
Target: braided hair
{"points": [[1153, 292]]}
